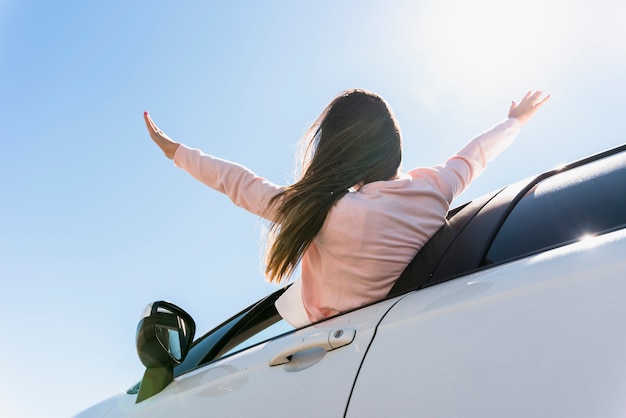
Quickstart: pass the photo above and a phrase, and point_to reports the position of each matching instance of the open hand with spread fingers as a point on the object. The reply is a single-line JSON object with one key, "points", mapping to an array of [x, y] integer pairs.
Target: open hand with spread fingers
{"points": [[527, 107], [167, 145]]}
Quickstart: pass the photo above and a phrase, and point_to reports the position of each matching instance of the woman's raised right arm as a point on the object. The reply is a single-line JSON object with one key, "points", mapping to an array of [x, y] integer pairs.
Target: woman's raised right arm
{"points": [[244, 188]]}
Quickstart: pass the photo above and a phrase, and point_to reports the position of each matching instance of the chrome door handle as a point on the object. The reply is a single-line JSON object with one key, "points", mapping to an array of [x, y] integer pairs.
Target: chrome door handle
{"points": [[327, 340]]}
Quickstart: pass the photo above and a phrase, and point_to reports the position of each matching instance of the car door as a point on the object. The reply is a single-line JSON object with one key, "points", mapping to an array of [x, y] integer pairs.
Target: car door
{"points": [[539, 337], [308, 372], [533, 329]]}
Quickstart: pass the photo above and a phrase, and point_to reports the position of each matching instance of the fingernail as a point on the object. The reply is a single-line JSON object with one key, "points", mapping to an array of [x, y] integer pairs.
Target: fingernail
{"points": [[145, 113]]}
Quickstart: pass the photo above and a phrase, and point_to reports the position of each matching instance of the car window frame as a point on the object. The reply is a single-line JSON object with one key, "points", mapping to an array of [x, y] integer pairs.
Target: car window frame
{"points": [[218, 342], [420, 270]]}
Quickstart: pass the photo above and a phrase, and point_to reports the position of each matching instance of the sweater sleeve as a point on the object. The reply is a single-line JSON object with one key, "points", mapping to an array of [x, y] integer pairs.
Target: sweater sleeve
{"points": [[242, 186], [469, 162]]}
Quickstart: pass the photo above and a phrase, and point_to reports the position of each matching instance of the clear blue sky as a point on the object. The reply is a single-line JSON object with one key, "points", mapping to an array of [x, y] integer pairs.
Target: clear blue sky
{"points": [[95, 223]]}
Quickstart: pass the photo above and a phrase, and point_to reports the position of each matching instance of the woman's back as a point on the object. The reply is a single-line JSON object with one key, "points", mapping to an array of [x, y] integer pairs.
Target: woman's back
{"points": [[352, 245]]}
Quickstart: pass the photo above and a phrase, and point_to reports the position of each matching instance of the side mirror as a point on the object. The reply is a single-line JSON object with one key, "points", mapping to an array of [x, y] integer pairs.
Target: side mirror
{"points": [[164, 336]]}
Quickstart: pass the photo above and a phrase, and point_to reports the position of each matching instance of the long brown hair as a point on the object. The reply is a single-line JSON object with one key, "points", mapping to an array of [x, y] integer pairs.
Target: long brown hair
{"points": [[356, 140]]}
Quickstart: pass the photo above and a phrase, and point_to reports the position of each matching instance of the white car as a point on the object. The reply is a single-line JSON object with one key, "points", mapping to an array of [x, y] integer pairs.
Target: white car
{"points": [[514, 309]]}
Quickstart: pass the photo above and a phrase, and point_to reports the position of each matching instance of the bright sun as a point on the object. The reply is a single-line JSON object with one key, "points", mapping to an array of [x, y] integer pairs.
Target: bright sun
{"points": [[492, 43]]}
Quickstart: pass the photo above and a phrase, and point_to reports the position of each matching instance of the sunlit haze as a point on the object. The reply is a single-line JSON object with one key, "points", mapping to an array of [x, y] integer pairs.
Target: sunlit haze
{"points": [[95, 223]]}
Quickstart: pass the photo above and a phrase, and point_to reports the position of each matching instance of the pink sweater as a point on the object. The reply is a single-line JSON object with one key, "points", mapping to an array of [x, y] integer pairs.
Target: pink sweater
{"points": [[370, 235]]}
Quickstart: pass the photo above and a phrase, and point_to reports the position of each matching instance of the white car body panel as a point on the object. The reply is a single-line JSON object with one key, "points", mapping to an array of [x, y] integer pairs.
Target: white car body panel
{"points": [[245, 385], [543, 336]]}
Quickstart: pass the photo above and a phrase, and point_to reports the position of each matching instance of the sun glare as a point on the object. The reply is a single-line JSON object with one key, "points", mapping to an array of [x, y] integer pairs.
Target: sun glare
{"points": [[492, 43], [586, 237]]}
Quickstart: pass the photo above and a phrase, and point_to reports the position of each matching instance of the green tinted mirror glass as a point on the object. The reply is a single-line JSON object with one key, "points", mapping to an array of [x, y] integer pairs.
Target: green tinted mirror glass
{"points": [[170, 332], [170, 340]]}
